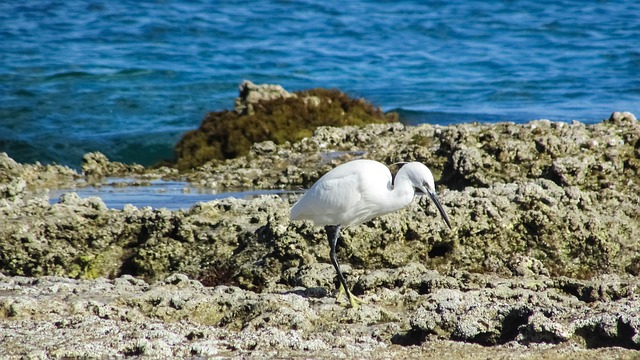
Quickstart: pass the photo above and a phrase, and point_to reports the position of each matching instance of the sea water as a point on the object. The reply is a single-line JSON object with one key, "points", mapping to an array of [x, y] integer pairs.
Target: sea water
{"points": [[128, 78], [171, 195]]}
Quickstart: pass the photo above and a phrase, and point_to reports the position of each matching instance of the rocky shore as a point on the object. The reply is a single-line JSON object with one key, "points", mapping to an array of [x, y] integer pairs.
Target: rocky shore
{"points": [[542, 262]]}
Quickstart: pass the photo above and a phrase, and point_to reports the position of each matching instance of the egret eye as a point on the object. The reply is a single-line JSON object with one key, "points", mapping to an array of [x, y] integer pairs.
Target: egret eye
{"points": [[425, 185]]}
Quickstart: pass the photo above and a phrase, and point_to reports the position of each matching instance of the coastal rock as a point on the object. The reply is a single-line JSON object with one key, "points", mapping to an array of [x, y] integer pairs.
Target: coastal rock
{"points": [[497, 315], [13, 190], [96, 165], [578, 224], [619, 117], [262, 148], [542, 259], [36, 176], [268, 112], [178, 317], [251, 94], [563, 231], [590, 157]]}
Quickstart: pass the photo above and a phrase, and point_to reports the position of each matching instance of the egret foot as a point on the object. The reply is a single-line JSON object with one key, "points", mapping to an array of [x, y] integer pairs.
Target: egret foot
{"points": [[354, 301]]}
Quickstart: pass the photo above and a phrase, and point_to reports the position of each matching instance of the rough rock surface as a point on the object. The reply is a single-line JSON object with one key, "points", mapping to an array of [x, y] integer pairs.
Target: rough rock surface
{"points": [[269, 113], [96, 165], [36, 176], [542, 260], [252, 94], [411, 311], [592, 157]]}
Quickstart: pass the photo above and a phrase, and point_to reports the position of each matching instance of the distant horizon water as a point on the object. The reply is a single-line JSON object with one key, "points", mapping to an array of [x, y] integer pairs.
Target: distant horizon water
{"points": [[129, 78]]}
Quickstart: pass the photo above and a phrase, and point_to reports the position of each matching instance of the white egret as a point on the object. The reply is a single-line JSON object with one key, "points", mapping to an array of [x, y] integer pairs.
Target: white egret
{"points": [[357, 191]]}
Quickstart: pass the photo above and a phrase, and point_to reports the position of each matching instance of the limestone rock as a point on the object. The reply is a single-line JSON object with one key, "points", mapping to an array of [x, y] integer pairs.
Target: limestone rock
{"points": [[251, 94]]}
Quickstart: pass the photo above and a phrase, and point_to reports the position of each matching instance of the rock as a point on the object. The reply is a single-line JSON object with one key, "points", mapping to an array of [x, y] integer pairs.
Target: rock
{"points": [[269, 113], [495, 315], [251, 94], [177, 317], [96, 165], [35, 176], [591, 157], [620, 117], [565, 231], [527, 266], [263, 148], [13, 190], [542, 259]]}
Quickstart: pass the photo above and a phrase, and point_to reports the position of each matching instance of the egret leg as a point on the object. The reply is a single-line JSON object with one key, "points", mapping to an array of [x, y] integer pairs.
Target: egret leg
{"points": [[333, 233]]}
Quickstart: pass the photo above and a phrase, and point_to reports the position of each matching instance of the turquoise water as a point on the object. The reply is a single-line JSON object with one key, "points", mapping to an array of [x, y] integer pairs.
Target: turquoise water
{"points": [[127, 78]]}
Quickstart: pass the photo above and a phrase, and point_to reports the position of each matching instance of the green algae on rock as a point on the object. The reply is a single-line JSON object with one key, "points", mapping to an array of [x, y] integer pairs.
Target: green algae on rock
{"points": [[588, 156], [543, 255], [268, 112], [502, 196]]}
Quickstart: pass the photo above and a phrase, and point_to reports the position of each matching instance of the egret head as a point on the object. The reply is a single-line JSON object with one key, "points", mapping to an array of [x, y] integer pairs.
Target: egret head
{"points": [[422, 179]]}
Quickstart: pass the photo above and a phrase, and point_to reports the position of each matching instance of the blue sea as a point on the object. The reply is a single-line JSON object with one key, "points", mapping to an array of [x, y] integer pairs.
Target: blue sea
{"points": [[127, 78]]}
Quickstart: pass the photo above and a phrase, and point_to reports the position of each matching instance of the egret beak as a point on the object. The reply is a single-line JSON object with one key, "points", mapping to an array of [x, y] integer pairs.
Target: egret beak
{"points": [[436, 200]]}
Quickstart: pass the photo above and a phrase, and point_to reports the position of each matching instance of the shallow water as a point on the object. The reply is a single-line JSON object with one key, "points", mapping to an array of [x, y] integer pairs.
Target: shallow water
{"points": [[172, 195], [127, 78]]}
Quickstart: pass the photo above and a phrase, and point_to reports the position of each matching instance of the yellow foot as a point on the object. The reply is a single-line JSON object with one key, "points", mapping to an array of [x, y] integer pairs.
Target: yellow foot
{"points": [[354, 301]]}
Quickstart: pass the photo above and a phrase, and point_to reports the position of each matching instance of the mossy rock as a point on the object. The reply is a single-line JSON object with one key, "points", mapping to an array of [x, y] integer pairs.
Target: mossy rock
{"points": [[229, 134]]}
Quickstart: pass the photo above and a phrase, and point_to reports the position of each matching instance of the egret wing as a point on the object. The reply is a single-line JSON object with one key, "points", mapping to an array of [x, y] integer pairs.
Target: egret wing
{"points": [[328, 201]]}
